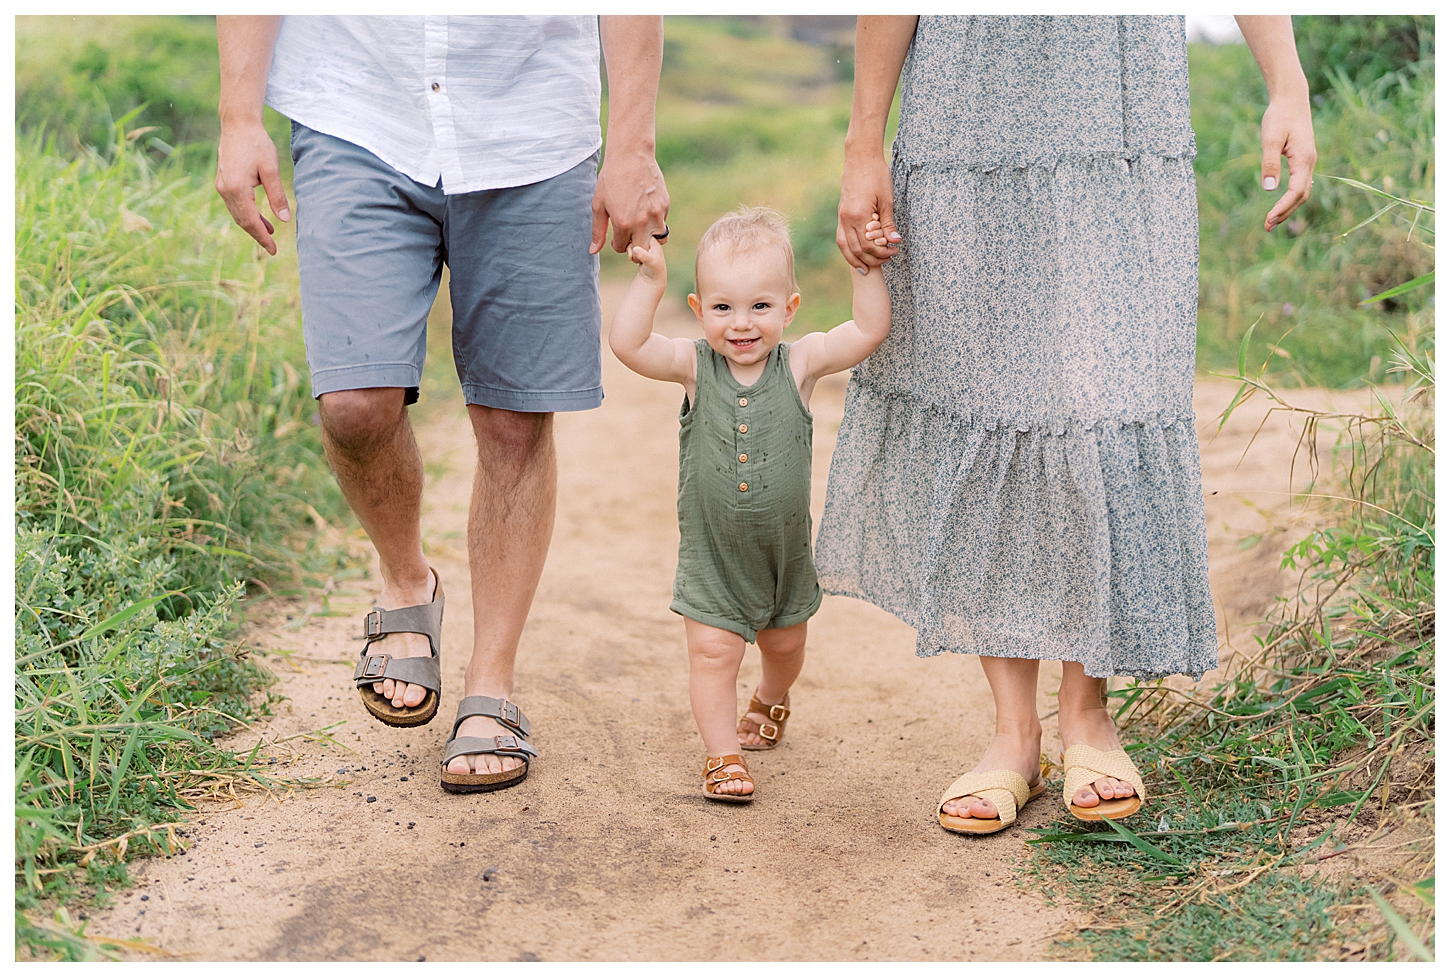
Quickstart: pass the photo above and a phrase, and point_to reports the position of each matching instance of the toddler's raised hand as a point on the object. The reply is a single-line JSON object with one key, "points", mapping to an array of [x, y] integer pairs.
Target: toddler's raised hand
{"points": [[651, 261]]}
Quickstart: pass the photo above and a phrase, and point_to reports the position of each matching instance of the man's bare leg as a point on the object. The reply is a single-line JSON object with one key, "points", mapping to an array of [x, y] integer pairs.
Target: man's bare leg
{"points": [[369, 444], [510, 523]]}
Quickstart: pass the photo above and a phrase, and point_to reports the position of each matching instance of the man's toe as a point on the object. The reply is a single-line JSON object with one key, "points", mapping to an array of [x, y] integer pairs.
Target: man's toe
{"points": [[414, 695]]}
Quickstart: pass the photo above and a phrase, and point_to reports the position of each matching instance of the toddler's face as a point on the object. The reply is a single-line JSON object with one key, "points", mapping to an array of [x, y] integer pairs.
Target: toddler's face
{"points": [[745, 302]]}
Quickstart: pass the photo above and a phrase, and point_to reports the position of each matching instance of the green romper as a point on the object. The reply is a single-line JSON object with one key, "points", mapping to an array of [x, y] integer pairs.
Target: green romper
{"points": [[745, 500]]}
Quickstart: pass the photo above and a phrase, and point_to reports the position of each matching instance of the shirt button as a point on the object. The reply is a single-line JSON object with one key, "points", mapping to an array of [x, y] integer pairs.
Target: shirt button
{"points": [[742, 458], [744, 402], [744, 428], [435, 86], [743, 486]]}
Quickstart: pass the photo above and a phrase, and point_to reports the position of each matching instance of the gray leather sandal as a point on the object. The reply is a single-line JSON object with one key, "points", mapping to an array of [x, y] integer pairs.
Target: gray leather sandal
{"points": [[426, 619], [514, 745]]}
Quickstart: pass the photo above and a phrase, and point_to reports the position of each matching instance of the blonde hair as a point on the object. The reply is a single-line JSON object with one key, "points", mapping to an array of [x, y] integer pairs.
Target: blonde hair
{"points": [[745, 228]]}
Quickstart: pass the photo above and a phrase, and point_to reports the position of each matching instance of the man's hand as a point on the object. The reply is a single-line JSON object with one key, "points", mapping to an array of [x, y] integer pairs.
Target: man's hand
{"points": [[631, 192], [631, 195], [247, 159]]}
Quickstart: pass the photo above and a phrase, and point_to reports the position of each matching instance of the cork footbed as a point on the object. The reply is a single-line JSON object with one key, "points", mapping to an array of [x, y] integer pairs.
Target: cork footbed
{"points": [[983, 826], [382, 708], [481, 783], [1108, 810]]}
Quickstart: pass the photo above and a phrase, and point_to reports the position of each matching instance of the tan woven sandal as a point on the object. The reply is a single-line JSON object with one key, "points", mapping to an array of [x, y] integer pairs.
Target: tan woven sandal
{"points": [[1005, 788], [715, 774], [1082, 765], [770, 731]]}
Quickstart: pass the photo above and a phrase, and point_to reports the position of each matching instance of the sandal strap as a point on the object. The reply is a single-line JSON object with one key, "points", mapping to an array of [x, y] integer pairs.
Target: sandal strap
{"points": [[424, 619], [777, 714], [1006, 789], [504, 745], [715, 772], [1083, 765], [503, 710]]}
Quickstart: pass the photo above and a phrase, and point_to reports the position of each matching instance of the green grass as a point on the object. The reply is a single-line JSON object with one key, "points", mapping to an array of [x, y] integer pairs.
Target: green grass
{"points": [[1319, 745], [1303, 283], [166, 456]]}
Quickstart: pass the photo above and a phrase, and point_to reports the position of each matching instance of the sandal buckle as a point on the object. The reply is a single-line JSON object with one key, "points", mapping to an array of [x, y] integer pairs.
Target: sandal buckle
{"points": [[373, 624], [713, 763], [510, 713], [375, 666], [778, 712], [771, 736], [505, 742]]}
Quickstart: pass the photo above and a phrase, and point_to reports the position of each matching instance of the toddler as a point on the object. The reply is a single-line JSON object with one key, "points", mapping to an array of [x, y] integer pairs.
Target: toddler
{"points": [[745, 571]]}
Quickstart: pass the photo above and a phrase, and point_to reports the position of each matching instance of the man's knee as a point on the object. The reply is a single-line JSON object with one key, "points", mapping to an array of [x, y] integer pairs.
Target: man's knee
{"points": [[355, 419], [509, 433]]}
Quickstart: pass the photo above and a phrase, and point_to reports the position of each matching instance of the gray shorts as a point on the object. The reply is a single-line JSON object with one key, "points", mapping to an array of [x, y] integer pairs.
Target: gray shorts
{"points": [[371, 246]]}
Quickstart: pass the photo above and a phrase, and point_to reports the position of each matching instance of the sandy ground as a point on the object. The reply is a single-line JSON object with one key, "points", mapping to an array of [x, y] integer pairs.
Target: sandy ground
{"points": [[607, 851]]}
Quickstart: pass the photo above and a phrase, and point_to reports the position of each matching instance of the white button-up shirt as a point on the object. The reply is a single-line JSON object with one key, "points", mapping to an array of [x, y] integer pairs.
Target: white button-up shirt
{"points": [[478, 102]]}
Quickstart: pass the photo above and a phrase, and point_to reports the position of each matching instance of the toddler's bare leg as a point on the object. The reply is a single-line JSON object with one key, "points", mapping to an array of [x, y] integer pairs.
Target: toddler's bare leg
{"points": [[782, 655], [715, 656]]}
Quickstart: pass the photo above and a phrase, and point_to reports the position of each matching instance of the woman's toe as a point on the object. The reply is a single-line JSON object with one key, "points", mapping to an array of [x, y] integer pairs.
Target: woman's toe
{"points": [[1085, 798], [982, 809]]}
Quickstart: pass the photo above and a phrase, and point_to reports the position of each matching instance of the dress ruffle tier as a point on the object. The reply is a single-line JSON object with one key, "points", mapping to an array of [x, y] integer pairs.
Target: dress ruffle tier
{"points": [[1017, 473]]}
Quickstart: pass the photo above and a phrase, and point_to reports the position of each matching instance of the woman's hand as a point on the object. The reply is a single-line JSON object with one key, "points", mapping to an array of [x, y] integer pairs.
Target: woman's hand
{"points": [[865, 231], [1288, 131]]}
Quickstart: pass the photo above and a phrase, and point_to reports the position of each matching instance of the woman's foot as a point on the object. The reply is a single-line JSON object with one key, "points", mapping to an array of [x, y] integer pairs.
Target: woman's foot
{"points": [[404, 644], [1093, 727], [1020, 752]]}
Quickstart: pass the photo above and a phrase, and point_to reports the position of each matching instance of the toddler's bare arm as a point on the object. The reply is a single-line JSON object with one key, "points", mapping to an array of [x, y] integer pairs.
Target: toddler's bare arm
{"points": [[819, 354], [631, 335]]}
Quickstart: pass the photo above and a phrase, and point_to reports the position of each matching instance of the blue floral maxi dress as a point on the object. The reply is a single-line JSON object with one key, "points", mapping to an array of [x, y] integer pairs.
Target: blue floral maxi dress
{"points": [[1017, 473]]}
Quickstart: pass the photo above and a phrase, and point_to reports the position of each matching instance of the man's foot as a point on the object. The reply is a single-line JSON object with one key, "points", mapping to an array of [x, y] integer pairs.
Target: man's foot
{"points": [[1021, 754], [1094, 727], [404, 644], [486, 727]]}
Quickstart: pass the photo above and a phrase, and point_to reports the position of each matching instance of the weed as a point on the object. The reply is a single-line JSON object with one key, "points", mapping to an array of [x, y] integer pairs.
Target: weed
{"points": [[165, 454]]}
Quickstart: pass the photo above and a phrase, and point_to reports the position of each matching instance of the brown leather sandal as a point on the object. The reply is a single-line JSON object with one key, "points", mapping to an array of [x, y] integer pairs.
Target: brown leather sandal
{"points": [[715, 774], [772, 730]]}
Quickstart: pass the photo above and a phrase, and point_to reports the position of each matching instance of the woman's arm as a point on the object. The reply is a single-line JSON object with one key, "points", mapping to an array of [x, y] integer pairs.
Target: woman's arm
{"points": [[1287, 129], [881, 45], [631, 334]]}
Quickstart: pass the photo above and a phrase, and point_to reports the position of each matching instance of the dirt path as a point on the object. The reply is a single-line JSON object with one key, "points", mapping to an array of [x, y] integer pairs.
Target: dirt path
{"points": [[608, 851]]}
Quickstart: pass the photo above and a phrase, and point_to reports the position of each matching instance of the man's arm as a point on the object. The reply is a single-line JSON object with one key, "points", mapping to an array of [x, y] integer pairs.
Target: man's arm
{"points": [[631, 189], [247, 157]]}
